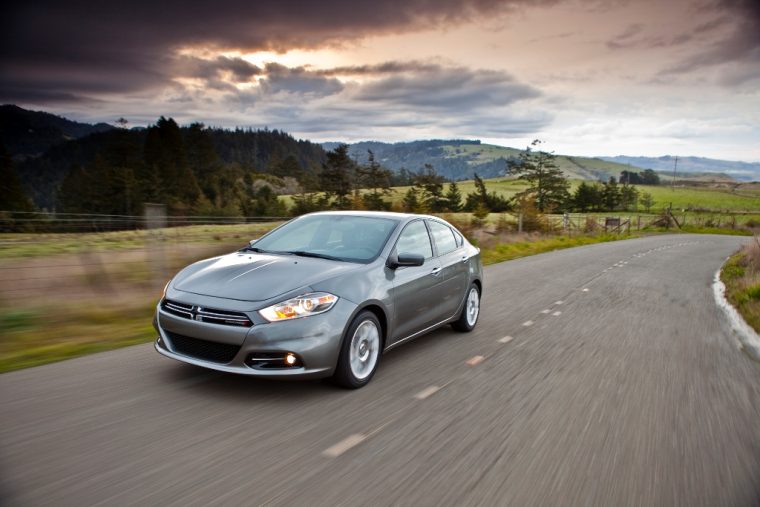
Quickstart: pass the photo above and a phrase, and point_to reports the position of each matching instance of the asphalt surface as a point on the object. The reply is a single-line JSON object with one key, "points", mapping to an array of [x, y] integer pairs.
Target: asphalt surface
{"points": [[601, 375]]}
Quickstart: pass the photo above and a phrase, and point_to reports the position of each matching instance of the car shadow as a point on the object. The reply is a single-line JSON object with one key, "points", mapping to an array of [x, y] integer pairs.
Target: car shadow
{"points": [[242, 388]]}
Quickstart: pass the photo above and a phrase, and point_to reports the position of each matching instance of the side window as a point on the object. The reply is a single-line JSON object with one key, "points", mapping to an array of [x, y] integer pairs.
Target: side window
{"points": [[443, 237], [460, 240], [415, 240]]}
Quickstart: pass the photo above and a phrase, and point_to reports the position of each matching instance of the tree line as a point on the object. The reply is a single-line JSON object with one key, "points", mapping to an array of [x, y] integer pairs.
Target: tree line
{"points": [[200, 171]]}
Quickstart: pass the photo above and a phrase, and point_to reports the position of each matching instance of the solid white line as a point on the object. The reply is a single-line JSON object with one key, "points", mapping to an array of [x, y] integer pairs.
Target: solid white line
{"points": [[428, 391], [749, 340], [506, 339], [527, 323], [344, 445], [557, 314]]}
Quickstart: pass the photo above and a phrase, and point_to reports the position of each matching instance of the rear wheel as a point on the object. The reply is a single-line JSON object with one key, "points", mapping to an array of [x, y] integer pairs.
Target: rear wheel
{"points": [[470, 311], [360, 352]]}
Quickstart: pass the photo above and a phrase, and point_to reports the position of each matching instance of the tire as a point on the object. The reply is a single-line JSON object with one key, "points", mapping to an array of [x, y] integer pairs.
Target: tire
{"points": [[360, 352], [470, 311]]}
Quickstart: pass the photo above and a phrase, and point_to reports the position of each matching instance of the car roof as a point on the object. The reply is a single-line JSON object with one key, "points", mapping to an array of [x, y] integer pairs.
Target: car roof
{"points": [[379, 214]]}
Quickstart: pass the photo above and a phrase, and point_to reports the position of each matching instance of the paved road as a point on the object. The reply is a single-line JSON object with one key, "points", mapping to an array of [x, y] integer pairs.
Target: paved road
{"points": [[621, 385]]}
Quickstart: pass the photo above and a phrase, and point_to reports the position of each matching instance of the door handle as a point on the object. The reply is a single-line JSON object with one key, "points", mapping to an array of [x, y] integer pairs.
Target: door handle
{"points": [[465, 258], [436, 271]]}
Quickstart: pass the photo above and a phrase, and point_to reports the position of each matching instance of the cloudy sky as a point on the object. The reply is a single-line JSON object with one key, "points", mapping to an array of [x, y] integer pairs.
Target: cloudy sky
{"points": [[589, 77]]}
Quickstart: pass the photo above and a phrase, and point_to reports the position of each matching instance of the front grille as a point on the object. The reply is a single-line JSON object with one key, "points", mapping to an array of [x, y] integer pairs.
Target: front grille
{"points": [[203, 349], [202, 314]]}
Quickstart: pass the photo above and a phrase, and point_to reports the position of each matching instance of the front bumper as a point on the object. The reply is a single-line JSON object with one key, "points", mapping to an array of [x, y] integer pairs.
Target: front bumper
{"points": [[314, 340]]}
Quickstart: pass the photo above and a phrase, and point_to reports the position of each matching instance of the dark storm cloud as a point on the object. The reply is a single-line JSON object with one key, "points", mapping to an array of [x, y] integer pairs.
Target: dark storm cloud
{"points": [[393, 67], [742, 44], [280, 78], [194, 67], [442, 87], [92, 37]]}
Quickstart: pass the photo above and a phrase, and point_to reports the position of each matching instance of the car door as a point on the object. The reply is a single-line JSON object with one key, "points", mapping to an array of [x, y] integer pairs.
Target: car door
{"points": [[454, 269], [415, 287]]}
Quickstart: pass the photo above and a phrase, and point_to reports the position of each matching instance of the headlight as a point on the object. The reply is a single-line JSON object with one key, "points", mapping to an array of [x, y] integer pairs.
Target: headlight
{"points": [[301, 306]]}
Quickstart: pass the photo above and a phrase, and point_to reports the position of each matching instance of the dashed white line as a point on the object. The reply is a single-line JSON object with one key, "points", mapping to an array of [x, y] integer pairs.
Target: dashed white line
{"points": [[559, 302], [344, 445], [557, 314], [585, 290], [506, 339], [527, 323], [545, 311], [475, 360], [428, 391]]}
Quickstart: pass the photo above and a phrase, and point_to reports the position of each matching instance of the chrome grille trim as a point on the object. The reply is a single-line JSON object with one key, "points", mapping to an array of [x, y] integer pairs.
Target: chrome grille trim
{"points": [[208, 315]]}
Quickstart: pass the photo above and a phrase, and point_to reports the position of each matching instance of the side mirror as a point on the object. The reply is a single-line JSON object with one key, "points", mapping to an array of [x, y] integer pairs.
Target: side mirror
{"points": [[405, 259]]}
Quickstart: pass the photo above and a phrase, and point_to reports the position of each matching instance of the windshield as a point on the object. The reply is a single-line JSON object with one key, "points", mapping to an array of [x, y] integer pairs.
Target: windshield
{"points": [[340, 237]]}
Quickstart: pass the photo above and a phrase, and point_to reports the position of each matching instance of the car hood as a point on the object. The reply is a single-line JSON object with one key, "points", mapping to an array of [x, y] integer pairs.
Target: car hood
{"points": [[256, 277]]}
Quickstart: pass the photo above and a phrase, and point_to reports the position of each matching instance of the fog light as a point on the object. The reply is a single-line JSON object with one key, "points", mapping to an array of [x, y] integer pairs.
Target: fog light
{"points": [[290, 359]]}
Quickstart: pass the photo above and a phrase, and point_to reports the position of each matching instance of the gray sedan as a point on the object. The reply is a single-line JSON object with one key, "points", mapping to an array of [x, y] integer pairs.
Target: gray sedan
{"points": [[322, 296]]}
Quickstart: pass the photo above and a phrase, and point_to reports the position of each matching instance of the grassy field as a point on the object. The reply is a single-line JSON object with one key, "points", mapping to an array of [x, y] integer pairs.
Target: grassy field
{"points": [[741, 275]]}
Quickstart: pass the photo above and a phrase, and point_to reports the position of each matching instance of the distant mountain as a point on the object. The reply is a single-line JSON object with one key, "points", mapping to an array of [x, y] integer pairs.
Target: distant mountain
{"points": [[710, 167], [31, 133], [46, 148], [460, 159]]}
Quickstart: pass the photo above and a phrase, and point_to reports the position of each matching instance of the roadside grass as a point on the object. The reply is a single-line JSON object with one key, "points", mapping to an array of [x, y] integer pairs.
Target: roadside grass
{"points": [[25, 245], [741, 276], [532, 246], [33, 337]]}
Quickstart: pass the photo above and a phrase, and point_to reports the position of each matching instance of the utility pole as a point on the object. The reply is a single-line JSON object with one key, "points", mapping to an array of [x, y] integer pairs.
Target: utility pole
{"points": [[675, 166]]}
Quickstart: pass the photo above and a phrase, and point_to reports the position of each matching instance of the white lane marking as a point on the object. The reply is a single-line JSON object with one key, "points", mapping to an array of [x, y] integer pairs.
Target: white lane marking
{"points": [[475, 360], [585, 290], [545, 311], [506, 339], [527, 323], [557, 314], [428, 391], [559, 302], [344, 445]]}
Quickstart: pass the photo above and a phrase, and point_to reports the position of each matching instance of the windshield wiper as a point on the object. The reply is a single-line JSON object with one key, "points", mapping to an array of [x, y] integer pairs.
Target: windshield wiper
{"points": [[303, 253], [254, 249]]}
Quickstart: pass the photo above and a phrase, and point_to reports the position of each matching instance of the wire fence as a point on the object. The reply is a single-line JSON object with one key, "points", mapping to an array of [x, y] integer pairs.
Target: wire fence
{"points": [[51, 222]]}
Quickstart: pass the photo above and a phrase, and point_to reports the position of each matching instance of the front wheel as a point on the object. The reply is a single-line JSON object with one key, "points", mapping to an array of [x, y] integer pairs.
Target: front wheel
{"points": [[470, 311], [359, 352]]}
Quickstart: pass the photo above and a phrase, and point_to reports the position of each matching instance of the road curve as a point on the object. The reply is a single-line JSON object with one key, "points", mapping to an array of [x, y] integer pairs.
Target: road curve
{"points": [[600, 375]]}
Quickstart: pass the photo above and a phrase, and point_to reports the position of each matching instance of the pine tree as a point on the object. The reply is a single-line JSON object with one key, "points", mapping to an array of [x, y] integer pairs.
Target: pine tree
{"points": [[377, 180], [611, 195], [430, 188], [337, 176], [481, 199], [546, 183], [453, 198], [647, 201], [166, 156], [411, 202], [13, 197]]}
